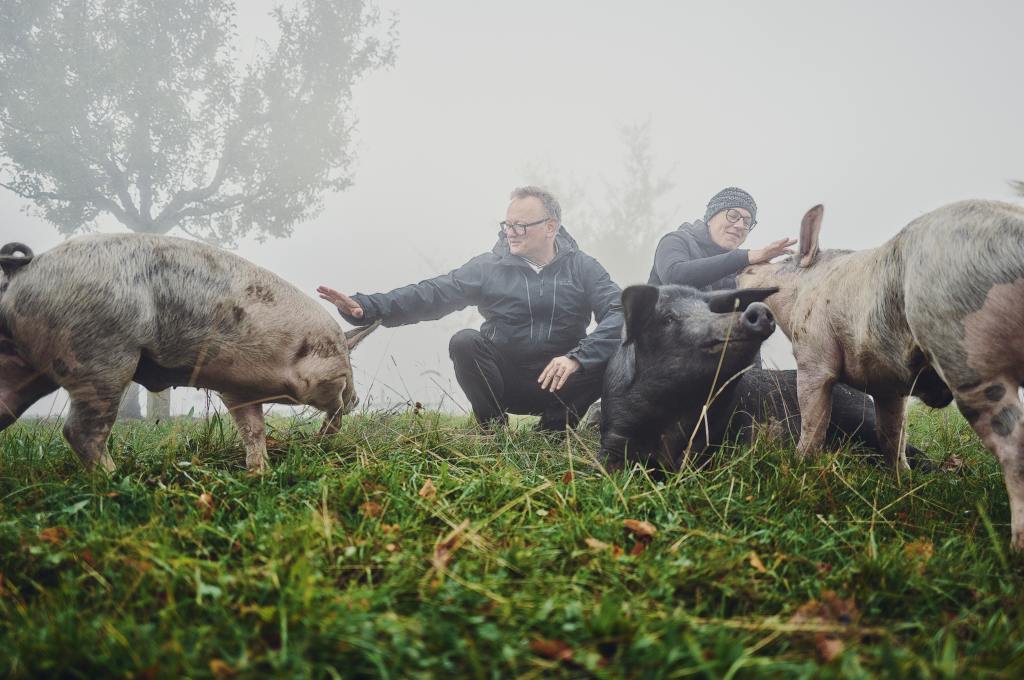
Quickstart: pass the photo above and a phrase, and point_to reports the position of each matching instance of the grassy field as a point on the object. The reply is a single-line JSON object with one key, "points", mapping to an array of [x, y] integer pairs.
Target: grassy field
{"points": [[409, 546]]}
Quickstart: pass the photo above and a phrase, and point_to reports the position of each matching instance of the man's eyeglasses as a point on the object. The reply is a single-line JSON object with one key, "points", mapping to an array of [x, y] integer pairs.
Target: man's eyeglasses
{"points": [[735, 216], [520, 229]]}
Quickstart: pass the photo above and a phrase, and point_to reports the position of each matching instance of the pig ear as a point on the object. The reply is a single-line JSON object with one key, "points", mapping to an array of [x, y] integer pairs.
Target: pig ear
{"points": [[722, 303], [354, 337], [638, 303], [809, 228]]}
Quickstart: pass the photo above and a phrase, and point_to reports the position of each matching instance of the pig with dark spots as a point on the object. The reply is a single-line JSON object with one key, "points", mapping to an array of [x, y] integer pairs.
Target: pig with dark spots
{"points": [[936, 312], [683, 382], [97, 312]]}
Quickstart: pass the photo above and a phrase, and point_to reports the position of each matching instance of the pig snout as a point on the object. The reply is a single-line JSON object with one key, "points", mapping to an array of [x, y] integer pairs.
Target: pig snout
{"points": [[758, 319]]}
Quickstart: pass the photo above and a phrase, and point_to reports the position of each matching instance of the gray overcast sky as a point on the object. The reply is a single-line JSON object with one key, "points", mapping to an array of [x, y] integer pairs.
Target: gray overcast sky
{"points": [[880, 110]]}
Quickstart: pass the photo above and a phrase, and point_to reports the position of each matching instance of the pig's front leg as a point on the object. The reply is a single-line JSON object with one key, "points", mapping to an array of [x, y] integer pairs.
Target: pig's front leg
{"points": [[248, 417], [891, 423], [87, 428], [814, 392]]}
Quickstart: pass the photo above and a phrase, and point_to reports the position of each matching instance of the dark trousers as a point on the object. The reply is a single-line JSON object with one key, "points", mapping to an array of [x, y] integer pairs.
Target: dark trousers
{"points": [[496, 386]]}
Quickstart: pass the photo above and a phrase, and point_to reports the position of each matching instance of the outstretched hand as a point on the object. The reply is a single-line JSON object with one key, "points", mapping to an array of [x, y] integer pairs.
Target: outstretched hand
{"points": [[344, 303], [771, 251], [557, 372]]}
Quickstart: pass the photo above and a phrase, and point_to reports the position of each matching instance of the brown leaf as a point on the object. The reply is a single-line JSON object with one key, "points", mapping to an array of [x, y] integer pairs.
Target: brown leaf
{"points": [[552, 649], [371, 509], [953, 463], [112, 494], [616, 551], [390, 528], [919, 550], [206, 505], [755, 562], [220, 669], [391, 547], [640, 528], [429, 491], [87, 556], [55, 535], [828, 647], [567, 477], [596, 544], [638, 548]]}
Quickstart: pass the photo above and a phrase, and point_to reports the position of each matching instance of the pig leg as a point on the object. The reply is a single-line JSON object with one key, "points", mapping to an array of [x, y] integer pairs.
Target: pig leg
{"points": [[891, 424], [88, 424], [20, 387], [332, 418], [994, 411], [248, 417], [814, 392]]}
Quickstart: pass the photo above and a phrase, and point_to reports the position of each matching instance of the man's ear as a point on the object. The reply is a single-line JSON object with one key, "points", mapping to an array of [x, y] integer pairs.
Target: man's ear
{"points": [[551, 227], [638, 303], [738, 300]]}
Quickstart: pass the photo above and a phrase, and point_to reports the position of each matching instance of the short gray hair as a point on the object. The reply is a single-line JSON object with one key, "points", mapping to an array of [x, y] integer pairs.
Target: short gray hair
{"points": [[552, 209]]}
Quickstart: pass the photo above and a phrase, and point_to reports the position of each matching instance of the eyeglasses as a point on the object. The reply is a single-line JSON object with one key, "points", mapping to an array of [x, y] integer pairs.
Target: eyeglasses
{"points": [[735, 216], [520, 229]]}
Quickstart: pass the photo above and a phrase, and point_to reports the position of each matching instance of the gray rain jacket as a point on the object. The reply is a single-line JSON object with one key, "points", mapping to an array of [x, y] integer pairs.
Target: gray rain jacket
{"points": [[531, 317], [689, 257]]}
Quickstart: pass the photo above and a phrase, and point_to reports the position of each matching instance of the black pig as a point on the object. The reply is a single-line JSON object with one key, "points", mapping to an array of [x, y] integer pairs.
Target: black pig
{"points": [[683, 349]]}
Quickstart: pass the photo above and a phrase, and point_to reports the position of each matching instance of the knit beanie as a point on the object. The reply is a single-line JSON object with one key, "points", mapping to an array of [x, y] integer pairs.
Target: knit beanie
{"points": [[732, 197]]}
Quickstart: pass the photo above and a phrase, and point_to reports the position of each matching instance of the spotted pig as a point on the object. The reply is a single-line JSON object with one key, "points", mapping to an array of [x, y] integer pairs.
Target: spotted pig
{"points": [[937, 312], [99, 311]]}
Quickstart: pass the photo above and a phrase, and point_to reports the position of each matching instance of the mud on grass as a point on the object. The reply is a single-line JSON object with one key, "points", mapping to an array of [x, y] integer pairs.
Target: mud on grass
{"points": [[410, 546]]}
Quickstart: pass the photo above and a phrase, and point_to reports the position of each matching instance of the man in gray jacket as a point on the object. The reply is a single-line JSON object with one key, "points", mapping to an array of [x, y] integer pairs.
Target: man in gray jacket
{"points": [[536, 291]]}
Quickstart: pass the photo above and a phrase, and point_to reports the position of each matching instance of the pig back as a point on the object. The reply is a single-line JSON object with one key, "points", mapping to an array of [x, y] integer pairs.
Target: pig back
{"points": [[181, 303]]}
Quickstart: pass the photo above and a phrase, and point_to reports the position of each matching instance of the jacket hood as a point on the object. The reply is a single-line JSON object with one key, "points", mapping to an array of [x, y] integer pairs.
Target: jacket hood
{"points": [[563, 242]]}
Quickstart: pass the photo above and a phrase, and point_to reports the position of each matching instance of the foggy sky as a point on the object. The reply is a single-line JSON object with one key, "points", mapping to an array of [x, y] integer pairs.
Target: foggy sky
{"points": [[881, 111]]}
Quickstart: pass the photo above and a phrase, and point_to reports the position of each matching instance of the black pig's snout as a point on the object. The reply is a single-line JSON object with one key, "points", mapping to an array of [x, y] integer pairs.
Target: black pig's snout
{"points": [[758, 319]]}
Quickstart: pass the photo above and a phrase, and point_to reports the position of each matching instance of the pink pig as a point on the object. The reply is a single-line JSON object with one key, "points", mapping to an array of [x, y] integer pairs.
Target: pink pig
{"points": [[99, 311]]}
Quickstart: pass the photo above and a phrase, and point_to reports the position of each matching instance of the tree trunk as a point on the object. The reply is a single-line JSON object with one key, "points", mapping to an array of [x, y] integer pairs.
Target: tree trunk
{"points": [[130, 408], [158, 405]]}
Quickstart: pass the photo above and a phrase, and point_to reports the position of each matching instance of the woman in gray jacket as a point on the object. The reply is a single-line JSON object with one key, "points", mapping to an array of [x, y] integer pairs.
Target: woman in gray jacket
{"points": [[706, 254]]}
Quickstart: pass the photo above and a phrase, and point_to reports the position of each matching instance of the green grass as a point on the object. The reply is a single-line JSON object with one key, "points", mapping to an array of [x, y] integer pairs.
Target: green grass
{"points": [[290, 574]]}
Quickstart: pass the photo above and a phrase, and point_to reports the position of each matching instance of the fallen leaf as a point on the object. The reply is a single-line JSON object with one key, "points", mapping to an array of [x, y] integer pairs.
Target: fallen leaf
{"points": [[953, 463], [206, 505], [828, 647], [55, 535], [567, 477], [596, 544], [755, 562], [638, 548], [88, 558], [371, 509], [640, 528], [429, 491], [448, 545], [112, 494], [390, 528], [552, 649], [749, 498], [221, 669], [454, 538], [391, 547], [616, 551]]}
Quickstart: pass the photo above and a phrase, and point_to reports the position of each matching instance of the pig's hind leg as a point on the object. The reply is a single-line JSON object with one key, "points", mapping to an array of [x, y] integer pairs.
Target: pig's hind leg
{"points": [[994, 411], [248, 417]]}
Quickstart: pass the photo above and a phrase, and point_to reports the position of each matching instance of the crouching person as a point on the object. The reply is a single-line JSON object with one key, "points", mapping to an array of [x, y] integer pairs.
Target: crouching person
{"points": [[537, 292]]}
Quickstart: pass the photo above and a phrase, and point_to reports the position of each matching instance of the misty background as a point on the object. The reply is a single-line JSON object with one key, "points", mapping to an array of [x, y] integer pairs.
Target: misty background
{"points": [[881, 111]]}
